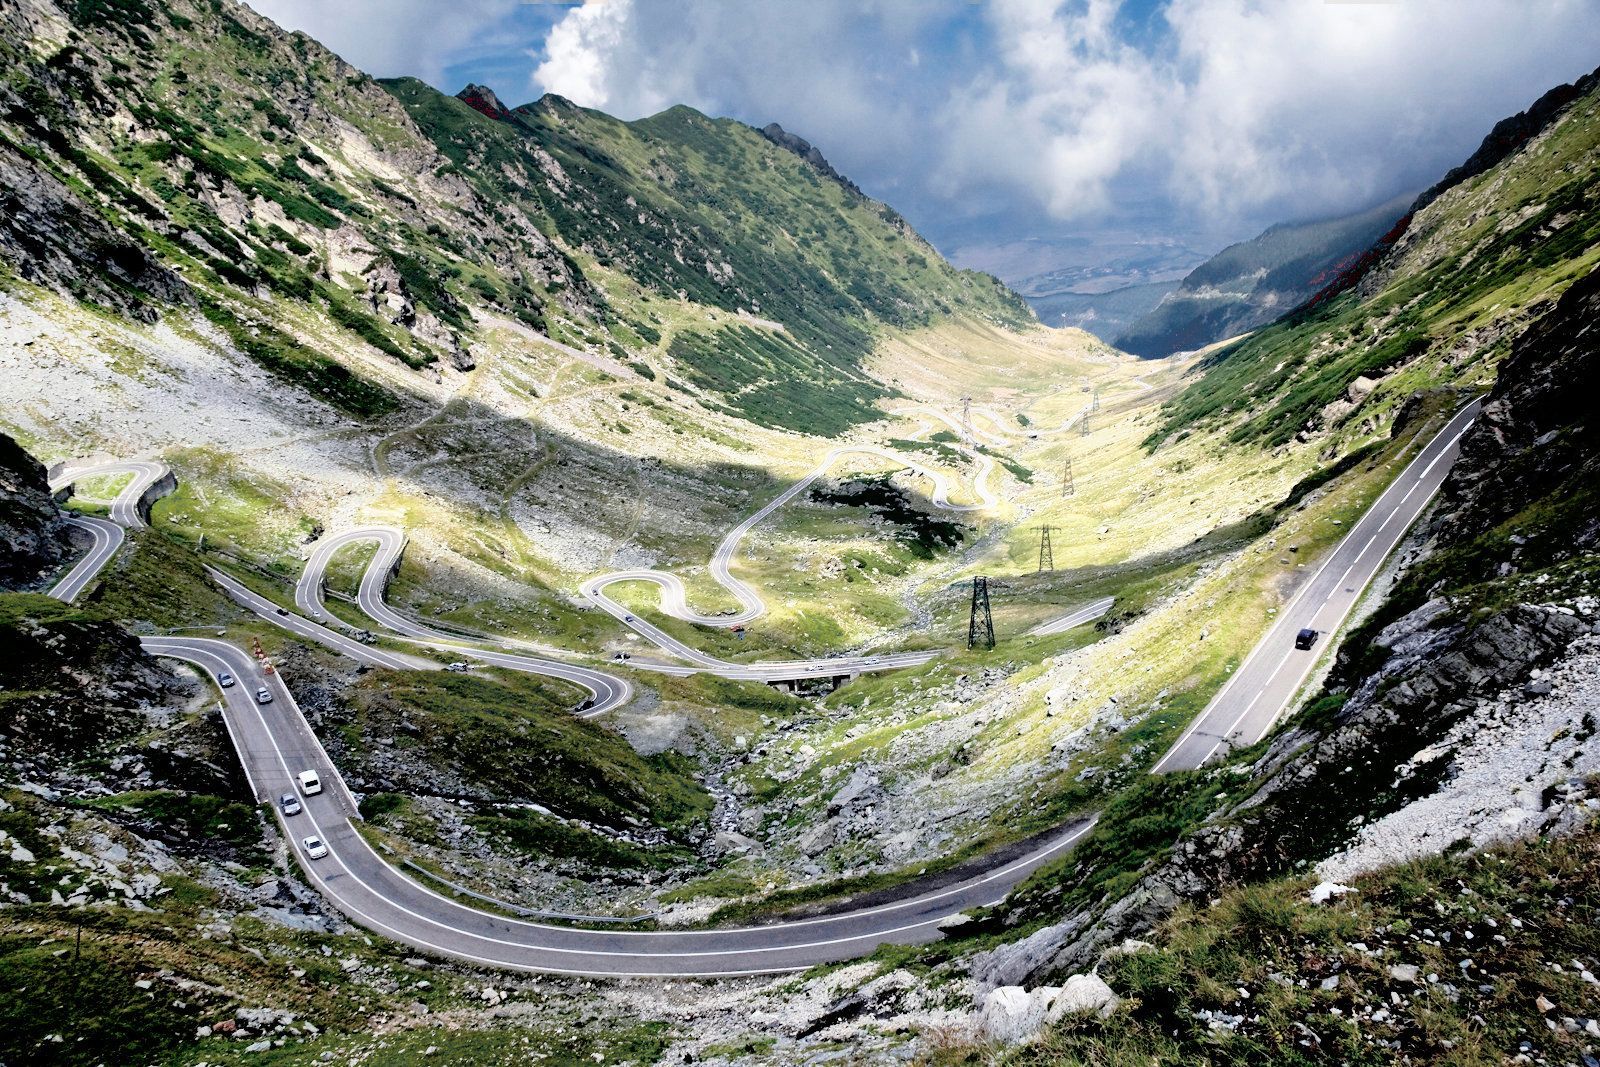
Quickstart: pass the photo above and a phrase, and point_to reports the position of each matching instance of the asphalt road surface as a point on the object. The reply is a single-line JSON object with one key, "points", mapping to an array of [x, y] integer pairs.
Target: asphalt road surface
{"points": [[674, 598], [1264, 686], [1087, 613], [275, 743], [107, 535], [314, 631], [107, 539], [606, 691], [125, 508]]}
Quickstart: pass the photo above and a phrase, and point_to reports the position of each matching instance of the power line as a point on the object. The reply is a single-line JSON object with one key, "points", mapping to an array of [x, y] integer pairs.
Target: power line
{"points": [[980, 631]]}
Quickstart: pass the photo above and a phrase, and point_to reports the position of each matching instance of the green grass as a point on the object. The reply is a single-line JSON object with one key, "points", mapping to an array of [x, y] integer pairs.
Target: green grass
{"points": [[1268, 386], [723, 884], [160, 583], [196, 816], [514, 735], [298, 365], [772, 381], [36, 607], [1138, 825], [541, 835], [1517, 916]]}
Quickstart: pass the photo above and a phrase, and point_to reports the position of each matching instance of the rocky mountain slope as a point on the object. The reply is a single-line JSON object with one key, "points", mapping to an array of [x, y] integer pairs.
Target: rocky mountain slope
{"points": [[1253, 282], [192, 155], [1460, 714], [33, 536], [549, 344]]}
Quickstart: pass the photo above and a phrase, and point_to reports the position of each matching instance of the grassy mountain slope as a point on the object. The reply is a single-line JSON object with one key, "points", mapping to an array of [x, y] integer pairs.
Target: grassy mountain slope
{"points": [[1458, 713], [193, 156], [711, 210], [1255, 281], [1441, 305]]}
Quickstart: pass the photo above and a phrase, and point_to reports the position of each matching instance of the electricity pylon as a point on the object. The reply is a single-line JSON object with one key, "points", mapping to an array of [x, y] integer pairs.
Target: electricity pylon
{"points": [[980, 626], [1047, 559], [1067, 488]]}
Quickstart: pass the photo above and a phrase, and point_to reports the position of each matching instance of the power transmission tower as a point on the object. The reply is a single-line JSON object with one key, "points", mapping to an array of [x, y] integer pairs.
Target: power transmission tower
{"points": [[966, 417], [1047, 559], [980, 631], [1067, 488], [1094, 401], [1083, 424]]}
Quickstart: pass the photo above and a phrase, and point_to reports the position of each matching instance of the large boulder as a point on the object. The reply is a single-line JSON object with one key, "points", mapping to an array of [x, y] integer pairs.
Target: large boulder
{"points": [[1011, 1015], [1084, 994]]}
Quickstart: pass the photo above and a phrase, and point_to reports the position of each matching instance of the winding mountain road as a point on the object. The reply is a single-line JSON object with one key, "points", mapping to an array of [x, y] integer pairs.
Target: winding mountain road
{"points": [[674, 597], [608, 691], [107, 539], [1076, 617], [275, 743], [1264, 687], [126, 511]]}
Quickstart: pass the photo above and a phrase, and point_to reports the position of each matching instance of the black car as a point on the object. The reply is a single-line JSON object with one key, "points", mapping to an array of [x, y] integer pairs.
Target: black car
{"points": [[1305, 638]]}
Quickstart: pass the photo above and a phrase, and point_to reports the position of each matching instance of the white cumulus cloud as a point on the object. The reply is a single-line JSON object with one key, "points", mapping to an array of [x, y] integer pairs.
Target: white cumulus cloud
{"points": [[1214, 110], [390, 38]]}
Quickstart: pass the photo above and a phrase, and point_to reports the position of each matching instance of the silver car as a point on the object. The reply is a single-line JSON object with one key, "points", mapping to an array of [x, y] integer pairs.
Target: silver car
{"points": [[263, 696], [315, 848]]}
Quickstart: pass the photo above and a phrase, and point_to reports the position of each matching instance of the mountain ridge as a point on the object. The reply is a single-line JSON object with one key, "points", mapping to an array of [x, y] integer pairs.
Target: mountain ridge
{"points": [[1253, 282], [311, 183]]}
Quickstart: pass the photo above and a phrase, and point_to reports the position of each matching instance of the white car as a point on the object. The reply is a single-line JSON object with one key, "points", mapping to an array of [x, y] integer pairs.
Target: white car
{"points": [[315, 847], [263, 696], [310, 784]]}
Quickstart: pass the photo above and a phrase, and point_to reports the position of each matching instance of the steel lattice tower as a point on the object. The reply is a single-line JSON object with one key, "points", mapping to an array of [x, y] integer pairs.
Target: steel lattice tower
{"points": [[980, 627], [1047, 559], [1067, 488]]}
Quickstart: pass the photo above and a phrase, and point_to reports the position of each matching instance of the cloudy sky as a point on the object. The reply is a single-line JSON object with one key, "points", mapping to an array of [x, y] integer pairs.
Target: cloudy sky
{"points": [[987, 122]]}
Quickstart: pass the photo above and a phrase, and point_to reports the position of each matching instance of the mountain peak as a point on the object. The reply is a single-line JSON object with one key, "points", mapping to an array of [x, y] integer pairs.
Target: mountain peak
{"points": [[483, 99], [808, 152]]}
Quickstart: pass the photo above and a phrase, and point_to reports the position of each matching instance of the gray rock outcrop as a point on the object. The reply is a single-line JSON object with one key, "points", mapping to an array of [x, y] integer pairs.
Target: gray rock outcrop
{"points": [[33, 537], [1440, 650]]}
